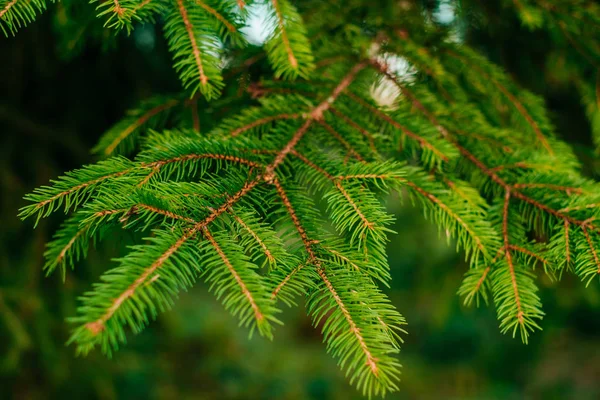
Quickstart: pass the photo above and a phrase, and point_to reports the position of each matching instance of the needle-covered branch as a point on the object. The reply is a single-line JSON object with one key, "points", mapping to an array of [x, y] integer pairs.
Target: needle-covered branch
{"points": [[285, 192]]}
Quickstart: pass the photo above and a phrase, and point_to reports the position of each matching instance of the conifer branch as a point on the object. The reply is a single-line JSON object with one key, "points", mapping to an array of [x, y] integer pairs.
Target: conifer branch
{"points": [[529, 253], [285, 280], [191, 157], [258, 240], [195, 50], [166, 213], [567, 248], [510, 97], [422, 141], [284, 36], [217, 15], [368, 224], [7, 8], [592, 248], [241, 205], [15, 14], [455, 216], [98, 325], [370, 360], [360, 129], [288, 48], [257, 312], [567, 189], [509, 257], [343, 141], [135, 125], [263, 121]]}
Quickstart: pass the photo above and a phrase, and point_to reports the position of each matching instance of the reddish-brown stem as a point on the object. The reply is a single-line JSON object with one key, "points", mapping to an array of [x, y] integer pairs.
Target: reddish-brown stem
{"points": [[257, 313], [568, 255], [567, 189], [98, 325], [483, 138], [575, 208], [285, 281], [549, 210], [512, 99], [189, 157], [443, 206], [339, 187], [356, 126], [7, 8], [509, 260], [81, 231], [520, 164], [528, 252], [254, 236], [315, 115], [142, 4], [160, 211], [137, 123], [195, 49], [193, 105], [263, 121], [592, 248], [147, 178], [371, 361], [341, 257], [81, 186], [217, 15], [311, 164], [361, 176], [118, 9], [422, 141], [481, 280], [342, 141], [480, 165], [295, 220], [284, 36]]}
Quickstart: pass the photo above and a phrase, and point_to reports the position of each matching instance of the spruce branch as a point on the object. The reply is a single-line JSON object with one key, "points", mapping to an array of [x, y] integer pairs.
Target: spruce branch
{"points": [[17, 14], [288, 48], [491, 75], [195, 48], [121, 138], [284, 199]]}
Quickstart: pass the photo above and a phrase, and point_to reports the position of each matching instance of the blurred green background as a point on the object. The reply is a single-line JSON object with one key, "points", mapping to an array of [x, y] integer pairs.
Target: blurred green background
{"points": [[57, 97]]}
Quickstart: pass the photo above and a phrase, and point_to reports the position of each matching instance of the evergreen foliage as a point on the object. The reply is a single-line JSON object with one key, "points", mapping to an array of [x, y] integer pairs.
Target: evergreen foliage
{"points": [[284, 199]]}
